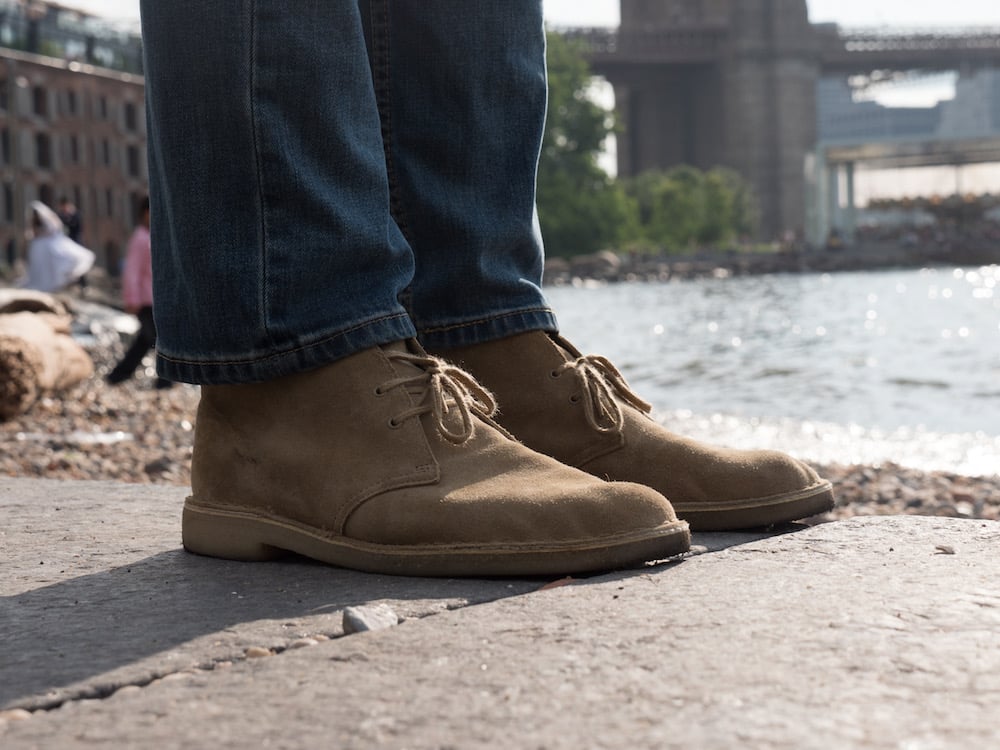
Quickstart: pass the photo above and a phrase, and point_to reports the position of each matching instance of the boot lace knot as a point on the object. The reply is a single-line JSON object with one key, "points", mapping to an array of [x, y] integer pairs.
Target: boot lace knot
{"points": [[443, 391], [602, 383]]}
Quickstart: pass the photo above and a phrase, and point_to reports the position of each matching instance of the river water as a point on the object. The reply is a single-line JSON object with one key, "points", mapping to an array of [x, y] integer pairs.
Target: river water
{"points": [[899, 365]]}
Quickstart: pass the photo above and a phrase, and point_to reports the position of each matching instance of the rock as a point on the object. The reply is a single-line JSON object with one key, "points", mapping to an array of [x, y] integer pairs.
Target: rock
{"points": [[159, 466], [257, 652], [369, 617], [37, 356], [601, 265]]}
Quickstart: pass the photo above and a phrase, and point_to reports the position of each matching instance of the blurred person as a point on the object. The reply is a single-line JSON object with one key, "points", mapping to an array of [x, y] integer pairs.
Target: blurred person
{"points": [[338, 190], [54, 260], [137, 293], [70, 217]]}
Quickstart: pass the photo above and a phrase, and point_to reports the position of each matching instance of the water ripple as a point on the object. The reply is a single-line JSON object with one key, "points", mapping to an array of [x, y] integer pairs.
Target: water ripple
{"points": [[880, 352]]}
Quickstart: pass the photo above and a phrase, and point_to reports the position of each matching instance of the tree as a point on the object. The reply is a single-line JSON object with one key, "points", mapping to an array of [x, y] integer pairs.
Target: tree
{"points": [[684, 208], [580, 207]]}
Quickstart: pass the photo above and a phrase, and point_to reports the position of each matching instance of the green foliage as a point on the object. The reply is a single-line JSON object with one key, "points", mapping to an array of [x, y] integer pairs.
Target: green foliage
{"points": [[684, 208], [580, 207]]}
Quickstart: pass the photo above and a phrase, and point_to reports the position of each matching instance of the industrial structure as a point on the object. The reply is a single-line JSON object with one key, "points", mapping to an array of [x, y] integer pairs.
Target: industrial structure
{"points": [[734, 83]]}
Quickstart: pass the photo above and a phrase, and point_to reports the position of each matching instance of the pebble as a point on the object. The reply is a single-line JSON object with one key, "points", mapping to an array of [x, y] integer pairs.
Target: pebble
{"points": [[257, 652], [369, 617], [303, 643], [135, 433]]}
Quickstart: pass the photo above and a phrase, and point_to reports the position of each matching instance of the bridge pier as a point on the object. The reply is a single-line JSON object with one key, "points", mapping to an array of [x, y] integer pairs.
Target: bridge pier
{"points": [[831, 195], [740, 93], [733, 83]]}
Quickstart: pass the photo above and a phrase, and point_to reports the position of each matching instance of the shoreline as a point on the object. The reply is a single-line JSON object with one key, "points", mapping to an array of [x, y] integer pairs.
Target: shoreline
{"points": [[610, 267], [134, 433]]}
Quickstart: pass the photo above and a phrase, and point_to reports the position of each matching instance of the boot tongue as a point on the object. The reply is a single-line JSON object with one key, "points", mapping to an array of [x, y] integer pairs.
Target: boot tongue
{"points": [[405, 368], [405, 346], [565, 348], [438, 391]]}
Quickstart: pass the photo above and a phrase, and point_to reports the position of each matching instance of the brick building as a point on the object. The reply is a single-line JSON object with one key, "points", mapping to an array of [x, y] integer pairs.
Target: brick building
{"points": [[75, 130]]}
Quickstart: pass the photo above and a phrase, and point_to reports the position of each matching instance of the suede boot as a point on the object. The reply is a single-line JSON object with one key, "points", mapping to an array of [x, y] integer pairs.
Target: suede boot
{"points": [[580, 411], [387, 461]]}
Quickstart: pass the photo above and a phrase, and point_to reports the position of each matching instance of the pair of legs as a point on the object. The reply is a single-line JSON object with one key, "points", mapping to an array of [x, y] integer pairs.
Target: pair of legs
{"points": [[142, 343], [333, 181], [327, 177]]}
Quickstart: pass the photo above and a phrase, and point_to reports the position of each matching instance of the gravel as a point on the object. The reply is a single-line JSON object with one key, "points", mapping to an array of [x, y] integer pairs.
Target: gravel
{"points": [[135, 433]]}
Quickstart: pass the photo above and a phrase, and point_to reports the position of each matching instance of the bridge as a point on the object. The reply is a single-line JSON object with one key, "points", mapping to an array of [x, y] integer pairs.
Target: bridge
{"points": [[862, 50], [733, 82], [838, 51], [831, 172]]}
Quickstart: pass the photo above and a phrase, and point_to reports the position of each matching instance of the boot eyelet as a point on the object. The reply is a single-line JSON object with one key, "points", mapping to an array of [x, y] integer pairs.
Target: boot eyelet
{"points": [[574, 399], [379, 391], [554, 374], [394, 424]]}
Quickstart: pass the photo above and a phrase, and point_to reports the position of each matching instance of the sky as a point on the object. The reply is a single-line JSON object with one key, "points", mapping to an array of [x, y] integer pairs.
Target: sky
{"points": [[605, 12]]}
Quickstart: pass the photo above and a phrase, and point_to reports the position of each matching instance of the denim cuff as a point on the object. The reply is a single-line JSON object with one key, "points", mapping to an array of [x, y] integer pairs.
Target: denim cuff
{"points": [[275, 364], [494, 327]]}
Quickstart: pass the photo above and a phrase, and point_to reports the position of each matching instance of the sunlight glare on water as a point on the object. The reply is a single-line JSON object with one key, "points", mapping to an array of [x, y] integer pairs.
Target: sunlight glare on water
{"points": [[892, 363]]}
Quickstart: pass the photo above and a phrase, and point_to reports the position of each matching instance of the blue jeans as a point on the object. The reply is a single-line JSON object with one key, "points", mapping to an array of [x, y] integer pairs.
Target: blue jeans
{"points": [[330, 175]]}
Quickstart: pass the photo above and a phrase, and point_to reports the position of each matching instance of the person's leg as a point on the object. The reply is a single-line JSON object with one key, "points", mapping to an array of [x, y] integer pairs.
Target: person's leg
{"points": [[462, 95], [278, 272], [462, 99], [142, 342], [274, 250]]}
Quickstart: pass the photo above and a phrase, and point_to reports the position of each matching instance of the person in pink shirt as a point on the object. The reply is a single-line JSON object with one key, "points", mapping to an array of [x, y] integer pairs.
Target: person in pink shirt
{"points": [[137, 292]]}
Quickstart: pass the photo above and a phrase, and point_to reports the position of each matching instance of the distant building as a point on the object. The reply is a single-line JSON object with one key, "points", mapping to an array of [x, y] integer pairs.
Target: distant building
{"points": [[974, 112], [69, 128], [48, 28], [842, 119]]}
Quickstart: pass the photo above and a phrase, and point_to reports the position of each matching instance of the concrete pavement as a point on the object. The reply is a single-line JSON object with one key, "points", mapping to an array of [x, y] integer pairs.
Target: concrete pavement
{"points": [[868, 633]]}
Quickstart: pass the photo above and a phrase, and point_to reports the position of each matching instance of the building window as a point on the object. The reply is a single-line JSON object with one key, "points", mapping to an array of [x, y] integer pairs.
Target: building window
{"points": [[4, 146], [131, 117], [102, 107], [74, 149], [46, 195], [106, 152], [134, 167], [71, 104], [8, 203], [40, 101], [4, 104], [109, 197], [43, 151], [112, 259]]}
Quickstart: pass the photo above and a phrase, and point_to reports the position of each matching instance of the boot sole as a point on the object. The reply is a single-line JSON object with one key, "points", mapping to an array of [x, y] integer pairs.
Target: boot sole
{"points": [[236, 535], [757, 512]]}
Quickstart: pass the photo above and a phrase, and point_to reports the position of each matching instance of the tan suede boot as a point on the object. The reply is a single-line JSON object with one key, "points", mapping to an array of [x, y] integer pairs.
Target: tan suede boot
{"points": [[387, 461], [580, 411]]}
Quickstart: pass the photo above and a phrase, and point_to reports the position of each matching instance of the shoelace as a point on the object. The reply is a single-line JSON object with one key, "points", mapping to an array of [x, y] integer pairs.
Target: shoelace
{"points": [[439, 389], [601, 381]]}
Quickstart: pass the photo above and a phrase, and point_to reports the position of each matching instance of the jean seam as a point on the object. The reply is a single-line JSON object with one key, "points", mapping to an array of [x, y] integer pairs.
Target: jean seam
{"points": [[284, 352], [489, 319], [382, 64], [259, 170]]}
